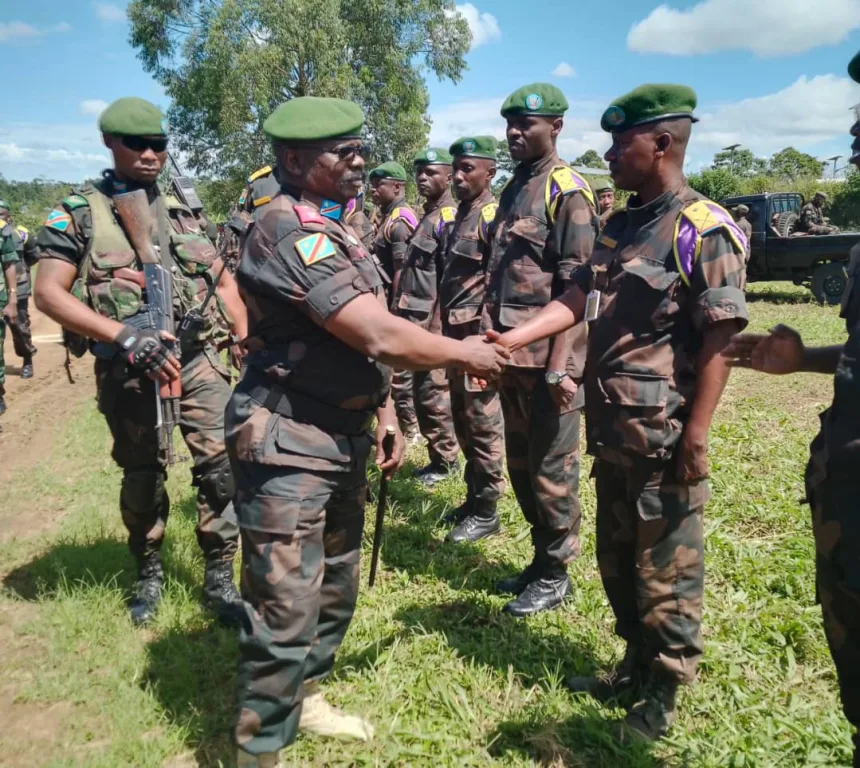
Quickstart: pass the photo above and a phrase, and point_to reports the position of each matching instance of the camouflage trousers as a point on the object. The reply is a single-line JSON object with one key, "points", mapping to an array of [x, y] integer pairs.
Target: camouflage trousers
{"points": [[834, 496], [128, 404], [301, 538], [433, 408], [479, 427], [22, 335], [404, 403], [650, 551], [542, 448], [2, 350]]}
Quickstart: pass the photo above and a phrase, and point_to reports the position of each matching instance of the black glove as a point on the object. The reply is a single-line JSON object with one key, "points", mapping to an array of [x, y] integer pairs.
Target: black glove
{"points": [[144, 350]]}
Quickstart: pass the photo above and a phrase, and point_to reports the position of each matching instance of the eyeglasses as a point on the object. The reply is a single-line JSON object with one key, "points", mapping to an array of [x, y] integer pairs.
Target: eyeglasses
{"points": [[349, 151], [142, 143]]}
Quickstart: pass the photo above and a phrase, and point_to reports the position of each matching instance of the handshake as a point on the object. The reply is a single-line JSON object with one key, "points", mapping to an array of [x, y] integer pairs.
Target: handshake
{"points": [[485, 357]]}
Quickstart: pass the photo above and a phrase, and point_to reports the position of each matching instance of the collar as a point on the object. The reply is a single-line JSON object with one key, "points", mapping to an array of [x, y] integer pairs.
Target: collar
{"points": [[114, 186], [389, 208], [440, 202], [639, 214], [539, 166], [485, 198], [291, 191]]}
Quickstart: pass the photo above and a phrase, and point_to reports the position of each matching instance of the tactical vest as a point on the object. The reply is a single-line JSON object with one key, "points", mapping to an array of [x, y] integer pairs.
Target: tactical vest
{"points": [[110, 278], [461, 287], [418, 280], [296, 367], [518, 282]]}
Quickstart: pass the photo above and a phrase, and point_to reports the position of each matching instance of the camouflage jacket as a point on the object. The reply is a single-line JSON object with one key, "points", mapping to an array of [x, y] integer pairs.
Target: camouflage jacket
{"points": [[360, 223], [544, 229], [397, 223], [262, 186], [656, 304], [461, 283], [8, 255], [416, 295], [27, 258], [298, 268], [85, 231], [811, 220]]}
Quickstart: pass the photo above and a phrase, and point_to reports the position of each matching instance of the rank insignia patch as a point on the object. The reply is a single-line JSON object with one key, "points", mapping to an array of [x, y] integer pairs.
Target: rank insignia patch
{"points": [[58, 220], [315, 248], [331, 210]]}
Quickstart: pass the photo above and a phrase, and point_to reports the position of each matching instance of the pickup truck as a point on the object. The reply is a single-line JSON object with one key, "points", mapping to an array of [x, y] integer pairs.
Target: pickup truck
{"points": [[778, 253]]}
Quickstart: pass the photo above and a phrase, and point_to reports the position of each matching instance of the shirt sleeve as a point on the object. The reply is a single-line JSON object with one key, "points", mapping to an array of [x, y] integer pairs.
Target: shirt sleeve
{"points": [[399, 242], [8, 249], [571, 238], [717, 282], [65, 235]]}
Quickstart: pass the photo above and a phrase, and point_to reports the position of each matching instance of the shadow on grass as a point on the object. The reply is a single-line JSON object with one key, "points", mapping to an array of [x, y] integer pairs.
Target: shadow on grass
{"points": [[759, 292], [192, 675]]}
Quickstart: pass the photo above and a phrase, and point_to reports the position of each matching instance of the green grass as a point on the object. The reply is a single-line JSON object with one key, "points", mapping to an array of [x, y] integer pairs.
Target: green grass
{"points": [[445, 676]]}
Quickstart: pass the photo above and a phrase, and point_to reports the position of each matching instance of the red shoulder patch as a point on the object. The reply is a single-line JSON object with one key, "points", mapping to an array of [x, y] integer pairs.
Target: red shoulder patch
{"points": [[308, 215]]}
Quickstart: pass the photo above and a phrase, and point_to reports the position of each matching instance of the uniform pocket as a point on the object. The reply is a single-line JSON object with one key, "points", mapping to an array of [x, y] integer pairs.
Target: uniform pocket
{"points": [[110, 260], [194, 253], [118, 299], [512, 315], [635, 404]]}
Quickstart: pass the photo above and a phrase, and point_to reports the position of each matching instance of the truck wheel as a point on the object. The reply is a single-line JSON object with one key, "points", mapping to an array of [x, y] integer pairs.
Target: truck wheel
{"points": [[828, 283], [786, 222]]}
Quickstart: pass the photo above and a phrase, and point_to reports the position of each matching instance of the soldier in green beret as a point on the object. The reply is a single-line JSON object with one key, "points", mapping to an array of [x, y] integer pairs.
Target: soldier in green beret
{"points": [[321, 340], [416, 300], [544, 229], [605, 198], [8, 295], [396, 221], [663, 296], [91, 282]]}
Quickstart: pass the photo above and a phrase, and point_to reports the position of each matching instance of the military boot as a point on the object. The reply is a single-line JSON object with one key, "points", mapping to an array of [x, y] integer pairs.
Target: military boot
{"points": [[27, 368], [2, 400], [436, 472], [150, 581], [266, 760], [514, 585], [541, 594], [624, 681], [459, 514], [650, 718], [321, 718], [480, 525], [220, 594]]}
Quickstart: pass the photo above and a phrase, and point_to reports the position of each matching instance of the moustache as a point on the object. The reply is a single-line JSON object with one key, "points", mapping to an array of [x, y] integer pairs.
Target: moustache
{"points": [[349, 178]]}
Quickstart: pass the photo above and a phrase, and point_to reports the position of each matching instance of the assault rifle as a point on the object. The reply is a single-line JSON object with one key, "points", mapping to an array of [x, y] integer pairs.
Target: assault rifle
{"points": [[133, 211]]}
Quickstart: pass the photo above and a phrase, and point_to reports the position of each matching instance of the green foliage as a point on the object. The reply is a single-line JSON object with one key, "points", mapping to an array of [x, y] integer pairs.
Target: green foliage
{"points": [[226, 66], [31, 200], [789, 163], [741, 162], [715, 183], [590, 159]]}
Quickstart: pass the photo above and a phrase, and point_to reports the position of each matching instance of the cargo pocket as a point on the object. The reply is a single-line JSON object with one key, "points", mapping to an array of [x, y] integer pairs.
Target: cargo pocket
{"points": [[194, 253], [295, 444], [116, 298], [636, 407]]}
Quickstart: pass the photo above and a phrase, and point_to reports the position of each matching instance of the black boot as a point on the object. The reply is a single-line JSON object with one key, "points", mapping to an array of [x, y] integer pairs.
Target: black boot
{"points": [[650, 718], [459, 514], [220, 594], [541, 594], [514, 585], [27, 368], [435, 472], [150, 581], [480, 525], [624, 681], [2, 400]]}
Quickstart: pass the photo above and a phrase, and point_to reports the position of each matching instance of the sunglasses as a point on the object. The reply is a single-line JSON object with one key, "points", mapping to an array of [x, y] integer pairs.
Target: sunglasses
{"points": [[350, 151], [142, 143]]}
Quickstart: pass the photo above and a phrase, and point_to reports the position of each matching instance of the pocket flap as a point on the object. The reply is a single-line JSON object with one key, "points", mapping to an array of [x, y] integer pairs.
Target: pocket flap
{"points": [[467, 248], [531, 229], [423, 242], [194, 252], [307, 440], [112, 259], [644, 390], [656, 274], [415, 304], [512, 315], [463, 315]]}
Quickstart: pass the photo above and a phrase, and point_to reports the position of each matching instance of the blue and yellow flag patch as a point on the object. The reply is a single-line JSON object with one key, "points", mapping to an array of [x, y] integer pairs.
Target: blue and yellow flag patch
{"points": [[58, 220], [315, 248]]}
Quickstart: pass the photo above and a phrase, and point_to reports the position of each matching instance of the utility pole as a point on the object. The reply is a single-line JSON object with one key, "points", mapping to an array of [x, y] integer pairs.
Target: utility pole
{"points": [[731, 149], [833, 160]]}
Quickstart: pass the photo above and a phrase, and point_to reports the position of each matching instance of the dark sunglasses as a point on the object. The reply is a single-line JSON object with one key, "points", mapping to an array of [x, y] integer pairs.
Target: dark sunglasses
{"points": [[350, 151], [142, 143]]}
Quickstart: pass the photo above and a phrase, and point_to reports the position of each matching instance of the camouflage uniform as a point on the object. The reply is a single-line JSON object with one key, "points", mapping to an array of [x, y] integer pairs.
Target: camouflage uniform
{"points": [[477, 415], [640, 382], [416, 301], [22, 335], [8, 255], [833, 488], [544, 229], [83, 231], [812, 221], [297, 433], [397, 223], [360, 222], [744, 226]]}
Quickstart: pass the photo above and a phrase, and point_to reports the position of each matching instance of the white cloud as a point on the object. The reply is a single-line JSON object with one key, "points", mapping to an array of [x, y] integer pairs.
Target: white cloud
{"points": [[92, 106], [18, 31], [484, 26], [765, 27], [109, 13], [564, 70], [68, 151]]}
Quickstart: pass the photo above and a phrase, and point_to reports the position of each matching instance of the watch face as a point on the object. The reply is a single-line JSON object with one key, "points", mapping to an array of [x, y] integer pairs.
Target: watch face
{"points": [[553, 377]]}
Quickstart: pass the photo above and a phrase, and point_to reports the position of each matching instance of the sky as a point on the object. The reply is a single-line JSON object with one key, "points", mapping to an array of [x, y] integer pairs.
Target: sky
{"points": [[768, 73]]}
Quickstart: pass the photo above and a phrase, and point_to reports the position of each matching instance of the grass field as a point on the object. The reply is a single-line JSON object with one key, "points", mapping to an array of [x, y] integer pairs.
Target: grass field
{"points": [[447, 679]]}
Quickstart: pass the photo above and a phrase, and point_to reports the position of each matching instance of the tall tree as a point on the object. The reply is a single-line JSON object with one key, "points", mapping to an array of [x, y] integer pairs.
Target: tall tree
{"points": [[741, 162], [226, 65], [590, 159], [715, 183], [790, 163]]}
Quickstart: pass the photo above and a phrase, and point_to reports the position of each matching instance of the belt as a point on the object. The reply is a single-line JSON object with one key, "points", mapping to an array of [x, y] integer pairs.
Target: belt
{"points": [[294, 405]]}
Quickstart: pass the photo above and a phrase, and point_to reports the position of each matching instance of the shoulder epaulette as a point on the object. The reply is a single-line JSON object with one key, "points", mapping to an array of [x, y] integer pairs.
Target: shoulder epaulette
{"points": [[401, 213], [694, 222], [173, 203], [488, 216], [74, 201], [265, 171], [564, 181], [448, 214]]}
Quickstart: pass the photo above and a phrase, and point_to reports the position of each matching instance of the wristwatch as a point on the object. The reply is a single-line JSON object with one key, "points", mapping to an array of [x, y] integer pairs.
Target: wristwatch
{"points": [[554, 378]]}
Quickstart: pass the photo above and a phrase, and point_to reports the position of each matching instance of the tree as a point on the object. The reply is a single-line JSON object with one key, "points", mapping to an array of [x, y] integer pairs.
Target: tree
{"points": [[715, 183], [590, 159], [741, 163], [226, 65], [505, 165], [789, 163]]}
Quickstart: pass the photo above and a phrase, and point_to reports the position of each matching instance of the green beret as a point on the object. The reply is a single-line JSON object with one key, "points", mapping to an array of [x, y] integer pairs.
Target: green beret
{"points": [[649, 104], [432, 156], [475, 146], [854, 68], [133, 117], [602, 185], [389, 170], [535, 99], [314, 118]]}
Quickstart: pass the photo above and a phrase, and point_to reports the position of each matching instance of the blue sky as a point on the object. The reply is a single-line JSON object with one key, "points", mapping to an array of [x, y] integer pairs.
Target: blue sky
{"points": [[769, 73]]}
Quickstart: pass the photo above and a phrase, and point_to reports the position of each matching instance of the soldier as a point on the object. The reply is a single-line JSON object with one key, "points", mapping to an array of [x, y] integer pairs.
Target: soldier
{"points": [[741, 214], [812, 219], [358, 219], [477, 412], [664, 295], [416, 301], [605, 198], [397, 222], [297, 424], [90, 281], [262, 186], [8, 296], [544, 228], [22, 336], [832, 480]]}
